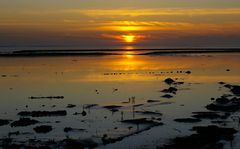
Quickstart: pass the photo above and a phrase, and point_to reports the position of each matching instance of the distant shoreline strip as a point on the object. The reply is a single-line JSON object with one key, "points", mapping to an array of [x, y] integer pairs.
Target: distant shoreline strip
{"points": [[39, 53]]}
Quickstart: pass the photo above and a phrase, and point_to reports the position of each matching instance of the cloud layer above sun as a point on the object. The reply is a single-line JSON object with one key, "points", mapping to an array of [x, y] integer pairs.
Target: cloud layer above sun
{"points": [[97, 23]]}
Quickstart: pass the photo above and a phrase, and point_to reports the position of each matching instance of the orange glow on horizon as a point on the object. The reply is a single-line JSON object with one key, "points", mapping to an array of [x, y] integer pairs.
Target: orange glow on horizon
{"points": [[128, 48], [129, 38]]}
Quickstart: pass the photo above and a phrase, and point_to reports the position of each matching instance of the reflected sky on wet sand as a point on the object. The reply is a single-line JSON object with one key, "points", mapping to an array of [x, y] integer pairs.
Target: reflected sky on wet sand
{"points": [[112, 80]]}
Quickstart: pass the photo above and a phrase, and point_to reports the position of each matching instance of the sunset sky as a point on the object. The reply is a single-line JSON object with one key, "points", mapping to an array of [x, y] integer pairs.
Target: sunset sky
{"points": [[119, 23]]}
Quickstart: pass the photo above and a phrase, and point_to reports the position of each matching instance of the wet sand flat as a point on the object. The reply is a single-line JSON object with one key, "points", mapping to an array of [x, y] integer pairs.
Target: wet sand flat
{"points": [[118, 101]]}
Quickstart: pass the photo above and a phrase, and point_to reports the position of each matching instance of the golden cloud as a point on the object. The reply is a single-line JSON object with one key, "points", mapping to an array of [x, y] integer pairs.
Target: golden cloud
{"points": [[154, 12]]}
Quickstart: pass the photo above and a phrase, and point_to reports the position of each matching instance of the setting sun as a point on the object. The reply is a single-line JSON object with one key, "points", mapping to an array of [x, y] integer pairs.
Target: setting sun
{"points": [[129, 38]]}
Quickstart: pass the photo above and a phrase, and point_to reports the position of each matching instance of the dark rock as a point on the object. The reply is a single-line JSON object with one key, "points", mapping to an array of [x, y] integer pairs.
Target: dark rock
{"points": [[4, 122], [228, 86], [222, 100], [84, 113], [225, 104], [229, 107], [188, 120], [43, 129], [67, 129], [71, 106], [221, 83], [206, 115], [23, 122], [151, 101], [169, 81], [170, 90], [167, 96], [206, 138], [43, 113], [236, 90], [222, 133], [188, 72]]}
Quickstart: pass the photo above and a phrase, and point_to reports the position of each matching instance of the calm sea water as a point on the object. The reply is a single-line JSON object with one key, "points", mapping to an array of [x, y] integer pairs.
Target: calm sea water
{"points": [[111, 80]]}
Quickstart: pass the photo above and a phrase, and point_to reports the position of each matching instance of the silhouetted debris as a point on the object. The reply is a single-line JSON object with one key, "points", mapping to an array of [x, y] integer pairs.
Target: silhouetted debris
{"points": [[4, 76], [188, 120], [151, 101], [169, 81], [188, 72], [71, 106], [170, 90], [43, 113], [4, 122], [46, 97], [69, 129], [206, 115], [207, 137], [167, 96], [227, 69], [24, 122], [43, 129]]}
